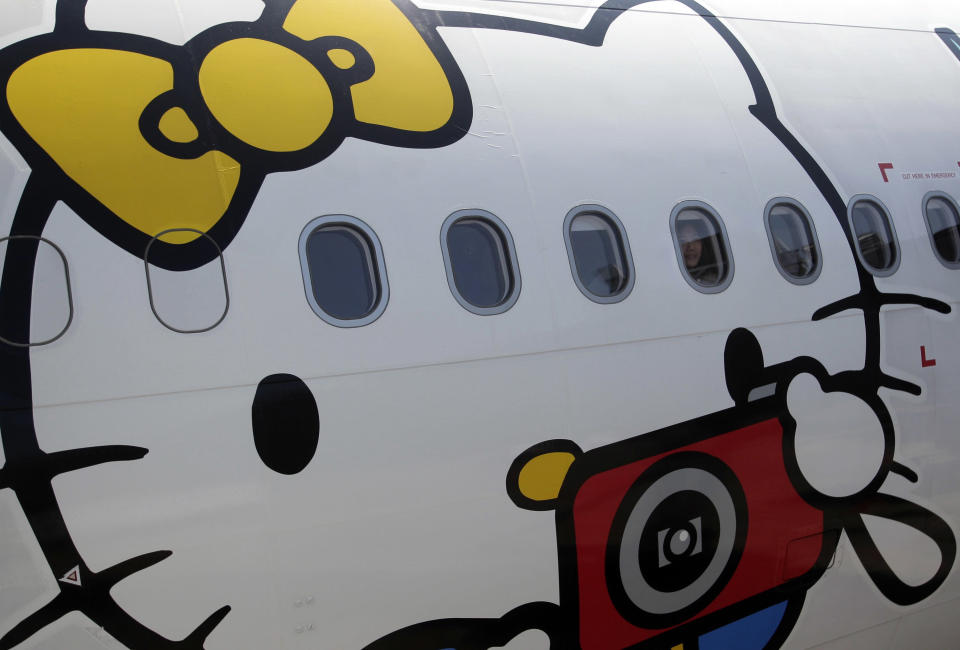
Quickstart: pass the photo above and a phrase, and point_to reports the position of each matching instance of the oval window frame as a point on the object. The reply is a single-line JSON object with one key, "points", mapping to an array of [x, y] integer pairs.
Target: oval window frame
{"points": [[223, 271], [69, 288], [813, 275], [509, 248], [950, 39], [937, 194], [881, 273], [380, 269], [728, 249], [624, 249]]}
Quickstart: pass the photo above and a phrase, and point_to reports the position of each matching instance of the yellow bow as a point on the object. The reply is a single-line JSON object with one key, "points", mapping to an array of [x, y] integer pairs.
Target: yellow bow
{"points": [[83, 106]]}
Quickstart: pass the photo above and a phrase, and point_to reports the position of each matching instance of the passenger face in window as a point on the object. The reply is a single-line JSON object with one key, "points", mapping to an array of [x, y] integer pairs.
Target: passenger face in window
{"points": [[692, 246], [699, 266]]}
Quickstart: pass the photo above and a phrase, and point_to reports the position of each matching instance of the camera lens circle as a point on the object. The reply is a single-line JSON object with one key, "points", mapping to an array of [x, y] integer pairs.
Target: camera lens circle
{"points": [[677, 538]]}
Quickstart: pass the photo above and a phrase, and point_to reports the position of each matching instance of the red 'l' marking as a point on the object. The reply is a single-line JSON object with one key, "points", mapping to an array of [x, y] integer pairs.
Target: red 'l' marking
{"points": [[924, 361], [884, 167]]}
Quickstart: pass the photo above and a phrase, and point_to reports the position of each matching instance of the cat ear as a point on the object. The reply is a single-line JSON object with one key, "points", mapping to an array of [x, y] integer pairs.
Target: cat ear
{"points": [[536, 476]]}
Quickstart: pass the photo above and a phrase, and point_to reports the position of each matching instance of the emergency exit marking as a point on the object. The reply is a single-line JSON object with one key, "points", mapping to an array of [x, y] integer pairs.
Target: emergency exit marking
{"points": [[915, 176], [926, 176], [884, 168], [924, 361]]}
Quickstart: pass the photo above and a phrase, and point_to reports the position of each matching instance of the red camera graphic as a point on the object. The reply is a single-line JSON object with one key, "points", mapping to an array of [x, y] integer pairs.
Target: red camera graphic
{"points": [[675, 533]]}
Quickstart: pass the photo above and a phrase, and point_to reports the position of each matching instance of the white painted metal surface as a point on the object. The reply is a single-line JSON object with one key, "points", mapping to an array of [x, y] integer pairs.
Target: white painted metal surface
{"points": [[402, 516]]}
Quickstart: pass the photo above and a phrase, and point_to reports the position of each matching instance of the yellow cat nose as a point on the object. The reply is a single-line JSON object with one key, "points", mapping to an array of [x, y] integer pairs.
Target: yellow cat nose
{"points": [[265, 94]]}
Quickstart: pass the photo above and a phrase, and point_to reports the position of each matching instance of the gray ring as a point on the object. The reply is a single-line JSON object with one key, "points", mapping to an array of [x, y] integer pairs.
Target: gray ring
{"points": [[638, 590], [894, 240], [510, 251], [725, 241], [379, 270], [624, 249], [793, 203], [926, 218]]}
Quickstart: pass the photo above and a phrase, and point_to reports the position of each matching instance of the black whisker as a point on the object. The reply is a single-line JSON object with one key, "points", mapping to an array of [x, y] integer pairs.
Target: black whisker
{"points": [[834, 308], [46, 615], [905, 472], [61, 462], [205, 629], [123, 570], [893, 383]]}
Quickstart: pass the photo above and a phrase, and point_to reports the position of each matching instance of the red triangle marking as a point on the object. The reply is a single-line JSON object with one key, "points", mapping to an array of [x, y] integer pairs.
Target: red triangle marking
{"points": [[72, 577]]}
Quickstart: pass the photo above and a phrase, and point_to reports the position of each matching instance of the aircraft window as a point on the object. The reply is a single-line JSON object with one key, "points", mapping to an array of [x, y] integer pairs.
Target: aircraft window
{"points": [[192, 301], [876, 237], [951, 39], [481, 262], [51, 308], [599, 254], [343, 271], [793, 241], [700, 240], [943, 224]]}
